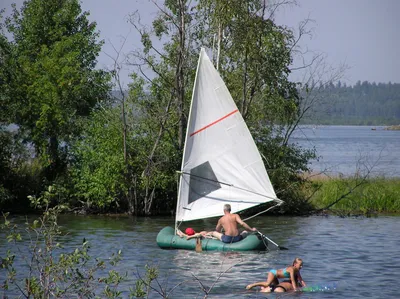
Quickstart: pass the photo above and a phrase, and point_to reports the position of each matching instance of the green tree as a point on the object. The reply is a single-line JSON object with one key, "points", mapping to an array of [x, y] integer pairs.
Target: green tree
{"points": [[103, 180], [254, 59], [49, 77], [163, 111], [98, 166], [254, 55], [5, 165]]}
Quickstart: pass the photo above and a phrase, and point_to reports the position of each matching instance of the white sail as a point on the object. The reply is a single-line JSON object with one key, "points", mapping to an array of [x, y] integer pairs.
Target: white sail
{"points": [[221, 163]]}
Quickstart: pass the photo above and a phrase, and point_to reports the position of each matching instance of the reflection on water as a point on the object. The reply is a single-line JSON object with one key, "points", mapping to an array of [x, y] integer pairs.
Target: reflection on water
{"points": [[351, 252], [348, 149]]}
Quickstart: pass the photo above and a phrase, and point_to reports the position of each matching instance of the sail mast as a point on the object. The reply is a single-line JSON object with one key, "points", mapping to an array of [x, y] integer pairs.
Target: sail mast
{"points": [[186, 138], [221, 162]]}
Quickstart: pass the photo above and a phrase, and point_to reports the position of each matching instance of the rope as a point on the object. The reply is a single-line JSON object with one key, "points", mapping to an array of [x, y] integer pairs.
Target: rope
{"points": [[262, 212], [280, 202], [230, 185]]}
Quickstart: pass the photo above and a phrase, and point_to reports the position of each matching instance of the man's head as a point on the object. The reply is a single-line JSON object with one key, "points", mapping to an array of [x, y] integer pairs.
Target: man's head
{"points": [[227, 208]]}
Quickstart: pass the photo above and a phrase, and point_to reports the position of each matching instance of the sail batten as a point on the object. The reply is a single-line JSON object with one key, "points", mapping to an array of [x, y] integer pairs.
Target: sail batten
{"points": [[215, 122], [221, 163], [228, 184]]}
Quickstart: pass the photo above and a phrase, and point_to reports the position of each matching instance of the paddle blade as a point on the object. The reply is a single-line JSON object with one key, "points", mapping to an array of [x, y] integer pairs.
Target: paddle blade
{"points": [[271, 242], [198, 245]]}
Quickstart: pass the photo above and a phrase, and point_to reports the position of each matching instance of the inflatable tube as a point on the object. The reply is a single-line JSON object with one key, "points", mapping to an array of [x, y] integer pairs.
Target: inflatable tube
{"points": [[167, 239]]}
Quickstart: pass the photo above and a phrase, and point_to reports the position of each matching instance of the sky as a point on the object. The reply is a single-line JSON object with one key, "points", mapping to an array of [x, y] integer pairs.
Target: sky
{"points": [[362, 34]]}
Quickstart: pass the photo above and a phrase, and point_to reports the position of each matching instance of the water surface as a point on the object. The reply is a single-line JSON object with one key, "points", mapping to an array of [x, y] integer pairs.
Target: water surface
{"points": [[350, 149], [359, 256]]}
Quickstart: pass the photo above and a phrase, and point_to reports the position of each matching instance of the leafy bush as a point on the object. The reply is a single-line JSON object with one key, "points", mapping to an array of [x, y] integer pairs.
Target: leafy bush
{"points": [[52, 272]]}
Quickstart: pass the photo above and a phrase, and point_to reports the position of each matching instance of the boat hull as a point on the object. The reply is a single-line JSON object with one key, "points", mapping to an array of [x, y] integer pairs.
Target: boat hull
{"points": [[167, 239]]}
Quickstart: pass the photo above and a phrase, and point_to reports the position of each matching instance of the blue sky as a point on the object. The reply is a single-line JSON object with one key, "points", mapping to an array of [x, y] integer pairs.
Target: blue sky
{"points": [[363, 34]]}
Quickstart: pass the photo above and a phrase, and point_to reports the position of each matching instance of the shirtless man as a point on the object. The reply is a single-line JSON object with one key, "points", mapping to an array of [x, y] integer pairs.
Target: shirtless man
{"points": [[229, 222]]}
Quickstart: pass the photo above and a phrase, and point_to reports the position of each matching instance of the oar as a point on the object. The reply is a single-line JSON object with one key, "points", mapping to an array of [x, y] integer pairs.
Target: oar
{"points": [[198, 244], [265, 237]]}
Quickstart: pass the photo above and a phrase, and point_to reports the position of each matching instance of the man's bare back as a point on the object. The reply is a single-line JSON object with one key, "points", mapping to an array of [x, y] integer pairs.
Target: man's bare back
{"points": [[229, 222]]}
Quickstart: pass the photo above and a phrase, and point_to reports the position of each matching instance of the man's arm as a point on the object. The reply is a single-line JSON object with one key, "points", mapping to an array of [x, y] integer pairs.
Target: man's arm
{"points": [[244, 224], [218, 228]]}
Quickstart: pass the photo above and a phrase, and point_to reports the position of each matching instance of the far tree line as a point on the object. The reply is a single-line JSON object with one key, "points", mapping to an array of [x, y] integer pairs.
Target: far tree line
{"points": [[361, 104]]}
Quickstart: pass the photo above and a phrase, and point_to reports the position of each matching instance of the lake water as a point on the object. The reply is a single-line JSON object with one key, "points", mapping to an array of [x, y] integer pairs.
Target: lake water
{"points": [[354, 257], [348, 149]]}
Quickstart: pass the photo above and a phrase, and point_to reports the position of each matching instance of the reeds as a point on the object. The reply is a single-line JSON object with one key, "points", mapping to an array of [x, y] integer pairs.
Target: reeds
{"points": [[374, 195]]}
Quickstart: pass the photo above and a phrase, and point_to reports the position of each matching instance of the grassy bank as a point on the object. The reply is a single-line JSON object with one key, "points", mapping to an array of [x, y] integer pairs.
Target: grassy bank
{"points": [[393, 128], [375, 195]]}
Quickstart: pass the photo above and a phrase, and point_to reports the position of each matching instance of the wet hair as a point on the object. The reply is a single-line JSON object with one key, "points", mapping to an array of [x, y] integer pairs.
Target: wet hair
{"points": [[227, 207], [297, 260]]}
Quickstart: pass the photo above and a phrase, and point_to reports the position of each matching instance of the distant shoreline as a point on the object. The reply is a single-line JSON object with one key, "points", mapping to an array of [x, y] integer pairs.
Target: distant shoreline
{"points": [[393, 128], [373, 127]]}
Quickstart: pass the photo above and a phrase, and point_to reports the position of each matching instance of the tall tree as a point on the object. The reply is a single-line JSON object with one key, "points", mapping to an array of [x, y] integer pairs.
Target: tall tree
{"points": [[254, 58], [167, 54], [50, 77], [254, 55]]}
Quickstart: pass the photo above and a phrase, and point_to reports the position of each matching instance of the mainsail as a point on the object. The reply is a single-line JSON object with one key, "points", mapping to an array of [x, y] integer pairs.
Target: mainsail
{"points": [[221, 163]]}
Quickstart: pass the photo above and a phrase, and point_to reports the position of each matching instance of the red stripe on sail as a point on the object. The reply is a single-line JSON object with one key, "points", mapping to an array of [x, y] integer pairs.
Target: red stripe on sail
{"points": [[213, 123]]}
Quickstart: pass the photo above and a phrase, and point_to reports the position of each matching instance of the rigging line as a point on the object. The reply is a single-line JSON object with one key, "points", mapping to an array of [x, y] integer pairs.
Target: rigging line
{"points": [[231, 185], [262, 212]]}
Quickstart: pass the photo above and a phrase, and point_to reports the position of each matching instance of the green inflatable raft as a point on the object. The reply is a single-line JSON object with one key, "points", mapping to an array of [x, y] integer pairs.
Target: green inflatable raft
{"points": [[167, 239]]}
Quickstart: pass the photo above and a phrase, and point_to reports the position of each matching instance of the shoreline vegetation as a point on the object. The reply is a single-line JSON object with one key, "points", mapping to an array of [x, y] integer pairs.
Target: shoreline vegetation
{"points": [[336, 195], [353, 195], [393, 128]]}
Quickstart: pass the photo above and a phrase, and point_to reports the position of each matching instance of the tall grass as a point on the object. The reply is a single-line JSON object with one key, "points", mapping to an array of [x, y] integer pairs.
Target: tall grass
{"points": [[375, 195]]}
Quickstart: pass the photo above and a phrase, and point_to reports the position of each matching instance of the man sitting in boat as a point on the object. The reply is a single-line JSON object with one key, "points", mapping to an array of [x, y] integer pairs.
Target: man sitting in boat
{"points": [[229, 222]]}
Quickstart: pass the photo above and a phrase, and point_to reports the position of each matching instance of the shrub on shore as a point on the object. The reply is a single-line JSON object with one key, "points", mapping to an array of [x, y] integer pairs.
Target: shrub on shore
{"points": [[374, 195]]}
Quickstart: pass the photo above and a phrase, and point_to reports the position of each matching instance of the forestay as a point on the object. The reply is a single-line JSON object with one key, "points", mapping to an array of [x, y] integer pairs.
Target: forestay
{"points": [[221, 163]]}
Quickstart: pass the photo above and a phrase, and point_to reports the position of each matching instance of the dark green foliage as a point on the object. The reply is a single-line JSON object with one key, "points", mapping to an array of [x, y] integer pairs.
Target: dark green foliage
{"points": [[53, 271], [49, 78], [98, 166], [19, 172], [123, 156], [254, 64], [103, 181], [6, 149]]}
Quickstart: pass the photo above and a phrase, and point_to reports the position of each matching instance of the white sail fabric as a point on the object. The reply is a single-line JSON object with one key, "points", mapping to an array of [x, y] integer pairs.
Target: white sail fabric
{"points": [[221, 163]]}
